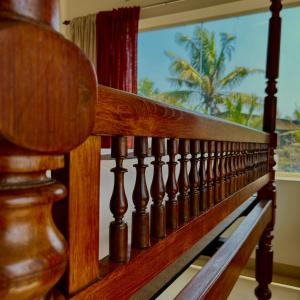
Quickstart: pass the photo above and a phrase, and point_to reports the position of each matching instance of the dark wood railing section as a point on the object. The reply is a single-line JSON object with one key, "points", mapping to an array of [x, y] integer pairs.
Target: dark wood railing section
{"points": [[202, 174]]}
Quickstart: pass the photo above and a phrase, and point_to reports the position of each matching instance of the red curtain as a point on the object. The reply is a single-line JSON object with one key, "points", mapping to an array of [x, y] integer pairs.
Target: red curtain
{"points": [[117, 33]]}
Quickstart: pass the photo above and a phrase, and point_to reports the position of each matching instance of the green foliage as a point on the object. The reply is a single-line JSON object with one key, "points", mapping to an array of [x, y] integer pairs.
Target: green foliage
{"points": [[202, 77]]}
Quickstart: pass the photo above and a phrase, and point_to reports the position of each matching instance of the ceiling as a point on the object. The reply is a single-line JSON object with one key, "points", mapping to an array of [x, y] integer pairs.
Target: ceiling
{"points": [[174, 13]]}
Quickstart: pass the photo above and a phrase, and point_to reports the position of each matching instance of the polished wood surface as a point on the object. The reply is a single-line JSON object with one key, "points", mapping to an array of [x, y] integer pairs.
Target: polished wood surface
{"points": [[152, 261], [194, 179], [33, 253], [118, 229], [158, 209], [183, 182], [264, 254], [50, 105], [140, 217], [36, 78], [81, 176], [172, 186], [178, 266], [45, 12], [121, 113], [47, 99], [217, 277]]}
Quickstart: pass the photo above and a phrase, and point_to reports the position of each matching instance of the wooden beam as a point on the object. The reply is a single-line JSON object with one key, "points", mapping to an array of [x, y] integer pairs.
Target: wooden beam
{"points": [[218, 276]]}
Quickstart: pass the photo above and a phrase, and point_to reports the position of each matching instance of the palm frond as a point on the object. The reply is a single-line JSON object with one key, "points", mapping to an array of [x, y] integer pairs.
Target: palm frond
{"points": [[235, 77]]}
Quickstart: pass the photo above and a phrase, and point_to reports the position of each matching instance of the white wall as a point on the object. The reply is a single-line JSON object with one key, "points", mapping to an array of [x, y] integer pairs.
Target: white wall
{"points": [[287, 229]]}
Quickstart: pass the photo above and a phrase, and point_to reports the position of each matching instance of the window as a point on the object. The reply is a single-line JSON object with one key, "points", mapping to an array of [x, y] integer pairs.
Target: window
{"points": [[218, 68]]}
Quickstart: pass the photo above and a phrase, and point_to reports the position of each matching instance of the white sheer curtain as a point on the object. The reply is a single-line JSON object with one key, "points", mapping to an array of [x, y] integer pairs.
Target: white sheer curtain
{"points": [[82, 31]]}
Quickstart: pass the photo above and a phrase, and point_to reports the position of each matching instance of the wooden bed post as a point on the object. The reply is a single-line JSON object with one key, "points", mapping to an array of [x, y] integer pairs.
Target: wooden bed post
{"points": [[264, 253], [47, 108]]}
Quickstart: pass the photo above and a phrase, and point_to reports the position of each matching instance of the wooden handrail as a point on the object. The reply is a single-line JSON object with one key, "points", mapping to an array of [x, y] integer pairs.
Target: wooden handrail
{"points": [[219, 275], [122, 113]]}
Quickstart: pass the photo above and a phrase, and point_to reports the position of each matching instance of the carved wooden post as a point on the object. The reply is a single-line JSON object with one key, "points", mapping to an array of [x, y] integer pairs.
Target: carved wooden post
{"points": [[194, 179], [140, 217], [264, 255], [33, 254], [183, 182], [172, 186], [158, 210], [45, 81], [118, 229], [203, 175]]}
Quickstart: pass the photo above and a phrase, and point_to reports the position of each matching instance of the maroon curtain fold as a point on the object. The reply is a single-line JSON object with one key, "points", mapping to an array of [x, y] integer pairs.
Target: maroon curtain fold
{"points": [[117, 33]]}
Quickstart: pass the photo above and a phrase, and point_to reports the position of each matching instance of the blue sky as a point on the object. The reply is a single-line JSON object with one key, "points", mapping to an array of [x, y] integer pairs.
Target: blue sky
{"points": [[250, 51]]}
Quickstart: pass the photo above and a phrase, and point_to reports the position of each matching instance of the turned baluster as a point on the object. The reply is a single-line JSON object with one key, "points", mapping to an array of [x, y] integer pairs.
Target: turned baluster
{"points": [[239, 166], [194, 179], [210, 174], [248, 163], [217, 181], [223, 171], [33, 253], [266, 159], [203, 175], [118, 229], [172, 186], [243, 164], [158, 211], [251, 162], [183, 182], [256, 160], [229, 169], [140, 217], [259, 155], [233, 186]]}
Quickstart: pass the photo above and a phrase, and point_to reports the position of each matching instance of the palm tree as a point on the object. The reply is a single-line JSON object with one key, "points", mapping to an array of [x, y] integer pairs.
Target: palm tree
{"points": [[240, 108], [201, 79], [146, 88]]}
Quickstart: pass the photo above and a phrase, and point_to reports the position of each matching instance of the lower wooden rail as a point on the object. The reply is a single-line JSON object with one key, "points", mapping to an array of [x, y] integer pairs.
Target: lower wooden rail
{"points": [[218, 276], [146, 264]]}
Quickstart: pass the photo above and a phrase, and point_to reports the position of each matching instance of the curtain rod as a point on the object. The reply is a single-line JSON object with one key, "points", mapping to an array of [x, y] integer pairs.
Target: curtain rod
{"points": [[67, 22]]}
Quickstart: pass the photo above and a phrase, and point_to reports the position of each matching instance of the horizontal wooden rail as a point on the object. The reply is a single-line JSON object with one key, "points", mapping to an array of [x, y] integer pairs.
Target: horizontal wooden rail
{"points": [[121, 113], [219, 275], [158, 284], [152, 261]]}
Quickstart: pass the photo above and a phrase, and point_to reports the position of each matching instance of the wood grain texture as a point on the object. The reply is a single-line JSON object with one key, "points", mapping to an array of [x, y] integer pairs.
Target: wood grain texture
{"points": [[157, 191], [167, 276], [47, 85], [152, 261], [43, 11], [118, 229], [218, 276], [264, 265], [118, 112], [79, 214], [33, 253], [140, 236], [172, 186]]}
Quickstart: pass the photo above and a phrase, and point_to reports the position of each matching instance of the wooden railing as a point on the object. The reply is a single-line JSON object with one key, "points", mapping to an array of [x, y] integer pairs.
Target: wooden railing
{"points": [[57, 124]]}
